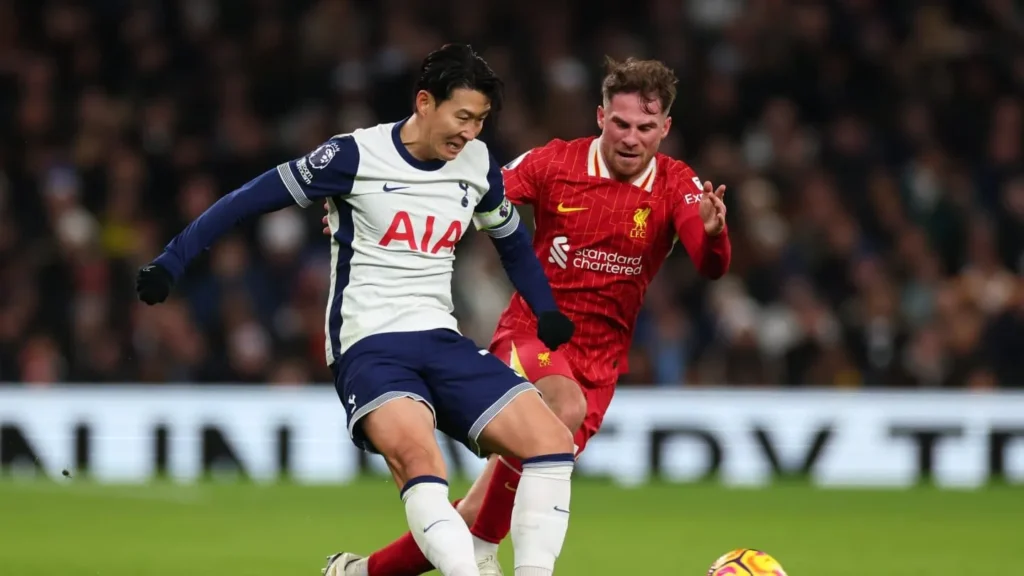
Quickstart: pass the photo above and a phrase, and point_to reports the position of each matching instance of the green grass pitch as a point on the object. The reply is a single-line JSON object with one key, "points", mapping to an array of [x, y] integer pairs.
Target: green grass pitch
{"points": [[72, 527]]}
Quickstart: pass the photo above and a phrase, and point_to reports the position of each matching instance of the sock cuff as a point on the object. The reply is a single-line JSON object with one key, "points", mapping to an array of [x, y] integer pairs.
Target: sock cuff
{"points": [[424, 481], [549, 461]]}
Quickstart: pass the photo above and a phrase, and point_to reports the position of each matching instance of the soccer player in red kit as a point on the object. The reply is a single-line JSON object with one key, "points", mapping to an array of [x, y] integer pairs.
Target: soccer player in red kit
{"points": [[608, 211]]}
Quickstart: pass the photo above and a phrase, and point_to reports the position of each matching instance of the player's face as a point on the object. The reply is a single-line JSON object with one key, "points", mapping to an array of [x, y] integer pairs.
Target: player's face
{"points": [[630, 135], [456, 121]]}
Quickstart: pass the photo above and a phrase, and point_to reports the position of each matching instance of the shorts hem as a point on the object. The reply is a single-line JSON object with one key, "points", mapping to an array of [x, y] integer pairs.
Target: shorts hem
{"points": [[377, 403], [478, 427]]}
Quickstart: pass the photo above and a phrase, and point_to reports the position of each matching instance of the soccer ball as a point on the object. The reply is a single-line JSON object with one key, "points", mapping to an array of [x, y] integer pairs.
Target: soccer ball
{"points": [[746, 562]]}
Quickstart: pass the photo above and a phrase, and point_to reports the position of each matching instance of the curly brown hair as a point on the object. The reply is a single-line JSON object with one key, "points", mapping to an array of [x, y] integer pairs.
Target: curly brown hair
{"points": [[652, 79]]}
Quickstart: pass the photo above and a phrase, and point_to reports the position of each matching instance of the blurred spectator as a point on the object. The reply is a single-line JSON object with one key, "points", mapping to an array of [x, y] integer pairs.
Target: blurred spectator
{"points": [[872, 150]]}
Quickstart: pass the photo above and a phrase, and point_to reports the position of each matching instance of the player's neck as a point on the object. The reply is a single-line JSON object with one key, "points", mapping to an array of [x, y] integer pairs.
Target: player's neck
{"points": [[415, 140], [620, 177]]}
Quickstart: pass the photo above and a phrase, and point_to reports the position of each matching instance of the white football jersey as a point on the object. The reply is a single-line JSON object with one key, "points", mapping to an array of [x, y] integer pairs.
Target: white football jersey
{"points": [[395, 221]]}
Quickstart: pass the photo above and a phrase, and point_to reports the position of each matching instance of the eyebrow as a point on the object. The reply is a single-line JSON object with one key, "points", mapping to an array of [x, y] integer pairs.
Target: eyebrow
{"points": [[650, 124]]}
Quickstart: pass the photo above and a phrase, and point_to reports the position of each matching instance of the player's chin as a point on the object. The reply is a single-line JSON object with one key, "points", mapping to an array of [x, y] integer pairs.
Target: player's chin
{"points": [[449, 150], [628, 163]]}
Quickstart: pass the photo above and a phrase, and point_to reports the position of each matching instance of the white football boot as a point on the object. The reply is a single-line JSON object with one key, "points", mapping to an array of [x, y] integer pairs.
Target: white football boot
{"points": [[345, 564], [488, 566]]}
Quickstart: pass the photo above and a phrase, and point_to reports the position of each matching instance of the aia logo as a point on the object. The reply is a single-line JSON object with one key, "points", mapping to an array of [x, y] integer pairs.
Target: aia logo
{"points": [[421, 238]]}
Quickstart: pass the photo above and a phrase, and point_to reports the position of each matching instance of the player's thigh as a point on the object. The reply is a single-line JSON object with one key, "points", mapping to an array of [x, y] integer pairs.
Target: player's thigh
{"points": [[598, 401], [402, 430], [565, 398], [525, 427], [473, 390], [388, 404], [550, 371]]}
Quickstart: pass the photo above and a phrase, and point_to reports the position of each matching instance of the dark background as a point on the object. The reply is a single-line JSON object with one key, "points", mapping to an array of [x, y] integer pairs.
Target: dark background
{"points": [[872, 151]]}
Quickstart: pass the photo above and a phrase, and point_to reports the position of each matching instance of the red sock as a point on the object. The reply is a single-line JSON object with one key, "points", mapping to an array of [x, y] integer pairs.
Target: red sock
{"points": [[402, 557], [494, 521]]}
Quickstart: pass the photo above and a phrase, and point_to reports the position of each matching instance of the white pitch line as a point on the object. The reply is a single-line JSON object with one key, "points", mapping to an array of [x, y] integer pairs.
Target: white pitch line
{"points": [[172, 494]]}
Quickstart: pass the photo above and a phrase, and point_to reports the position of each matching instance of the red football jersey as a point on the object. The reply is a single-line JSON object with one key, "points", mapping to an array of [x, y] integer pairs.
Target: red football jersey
{"points": [[602, 242]]}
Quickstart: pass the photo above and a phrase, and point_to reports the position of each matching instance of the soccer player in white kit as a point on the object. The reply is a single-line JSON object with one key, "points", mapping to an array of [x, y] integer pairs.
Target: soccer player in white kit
{"points": [[400, 196]]}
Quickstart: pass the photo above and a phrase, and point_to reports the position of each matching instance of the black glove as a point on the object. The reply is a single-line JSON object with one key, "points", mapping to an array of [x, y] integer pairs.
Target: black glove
{"points": [[554, 329], [153, 284]]}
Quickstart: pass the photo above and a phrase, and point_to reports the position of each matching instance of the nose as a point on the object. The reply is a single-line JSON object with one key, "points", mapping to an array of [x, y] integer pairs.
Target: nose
{"points": [[631, 140], [470, 133]]}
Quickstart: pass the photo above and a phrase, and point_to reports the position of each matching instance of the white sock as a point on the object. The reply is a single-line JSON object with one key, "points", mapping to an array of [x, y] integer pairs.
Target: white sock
{"points": [[438, 529], [482, 548], [540, 517]]}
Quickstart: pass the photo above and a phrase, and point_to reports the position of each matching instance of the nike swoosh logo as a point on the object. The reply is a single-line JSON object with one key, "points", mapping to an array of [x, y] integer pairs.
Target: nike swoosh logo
{"points": [[510, 487], [566, 210], [557, 509], [434, 524], [392, 189]]}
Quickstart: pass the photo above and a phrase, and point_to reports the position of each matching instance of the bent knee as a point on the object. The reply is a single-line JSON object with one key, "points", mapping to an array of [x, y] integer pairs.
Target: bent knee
{"points": [[415, 459], [403, 432], [551, 436], [566, 400]]}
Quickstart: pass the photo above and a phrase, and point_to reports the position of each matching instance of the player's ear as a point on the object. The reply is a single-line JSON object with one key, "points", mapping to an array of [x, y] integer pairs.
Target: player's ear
{"points": [[600, 118], [424, 102], [667, 127]]}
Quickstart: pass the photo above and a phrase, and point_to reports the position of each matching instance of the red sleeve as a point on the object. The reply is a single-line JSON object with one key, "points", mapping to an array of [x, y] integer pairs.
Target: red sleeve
{"points": [[710, 254], [521, 178]]}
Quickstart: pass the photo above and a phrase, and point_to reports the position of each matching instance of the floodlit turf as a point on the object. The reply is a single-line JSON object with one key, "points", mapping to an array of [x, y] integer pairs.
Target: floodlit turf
{"points": [[71, 527]]}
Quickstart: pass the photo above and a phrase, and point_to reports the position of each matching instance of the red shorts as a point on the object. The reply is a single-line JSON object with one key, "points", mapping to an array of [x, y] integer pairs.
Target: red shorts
{"points": [[529, 357]]}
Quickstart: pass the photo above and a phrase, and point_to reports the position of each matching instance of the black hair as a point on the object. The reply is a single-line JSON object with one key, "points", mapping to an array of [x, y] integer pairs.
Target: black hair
{"points": [[454, 66]]}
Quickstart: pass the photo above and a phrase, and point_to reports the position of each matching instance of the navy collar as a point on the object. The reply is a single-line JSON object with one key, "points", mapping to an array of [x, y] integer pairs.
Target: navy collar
{"points": [[426, 165]]}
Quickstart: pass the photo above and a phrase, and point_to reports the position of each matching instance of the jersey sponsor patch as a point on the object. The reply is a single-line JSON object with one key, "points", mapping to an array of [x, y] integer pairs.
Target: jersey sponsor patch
{"points": [[322, 156]]}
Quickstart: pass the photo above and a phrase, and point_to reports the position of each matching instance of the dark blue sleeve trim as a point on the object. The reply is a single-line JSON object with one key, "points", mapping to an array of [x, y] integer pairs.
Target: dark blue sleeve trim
{"points": [[524, 270], [494, 214], [495, 189]]}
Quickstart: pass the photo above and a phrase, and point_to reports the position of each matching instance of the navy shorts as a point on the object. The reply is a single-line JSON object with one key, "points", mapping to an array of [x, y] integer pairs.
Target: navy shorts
{"points": [[465, 387]]}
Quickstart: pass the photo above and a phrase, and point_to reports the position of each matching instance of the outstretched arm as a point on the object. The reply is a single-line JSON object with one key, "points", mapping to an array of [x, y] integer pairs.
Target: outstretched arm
{"points": [[265, 193], [327, 171]]}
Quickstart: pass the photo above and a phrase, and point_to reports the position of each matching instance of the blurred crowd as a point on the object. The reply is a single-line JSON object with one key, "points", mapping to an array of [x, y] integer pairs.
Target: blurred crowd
{"points": [[872, 151]]}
